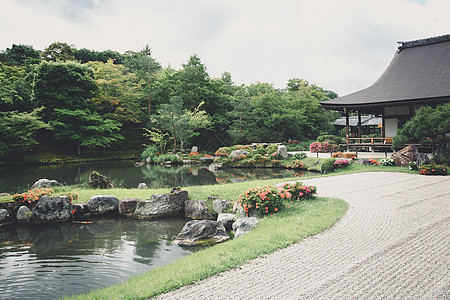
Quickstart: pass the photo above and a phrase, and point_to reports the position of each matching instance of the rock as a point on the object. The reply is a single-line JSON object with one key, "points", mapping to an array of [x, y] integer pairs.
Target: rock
{"points": [[243, 226], [162, 205], [148, 160], [214, 167], [127, 206], [227, 220], [139, 164], [97, 180], [197, 209], [51, 210], [23, 214], [4, 194], [220, 205], [142, 186], [186, 161], [194, 149], [204, 232], [5, 217], [44, 183], [10, 206], [239, 152], [282, 152], [405, 156], [206, 159], [80, 210], [237, 209], [363, 161], [103, 204], [422, 159]]}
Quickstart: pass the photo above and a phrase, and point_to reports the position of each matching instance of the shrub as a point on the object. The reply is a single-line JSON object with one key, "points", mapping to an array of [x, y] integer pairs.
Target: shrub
{"points": [[274, 155], [387, 162], [328, 165], [262, 200], [296, 164], [325, 147], [241, 147], [238, 158], [433, 169], [300, 155], [350, 155], [31, 198], [276, 162], [271, 149], [151, 152], [298, 191], [332, 139], [342, 163], [167, 157], [194, 155], [224, 151], [373, 162]]}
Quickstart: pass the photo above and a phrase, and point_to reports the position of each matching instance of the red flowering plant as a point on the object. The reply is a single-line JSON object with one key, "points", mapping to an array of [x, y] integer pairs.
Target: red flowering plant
{"points": [[296, 164], [31, 198], [238, 158], [262, 200], [298, 191], [194, 155], [433, 169], [224, 151], [351, 155], [373, 162]]}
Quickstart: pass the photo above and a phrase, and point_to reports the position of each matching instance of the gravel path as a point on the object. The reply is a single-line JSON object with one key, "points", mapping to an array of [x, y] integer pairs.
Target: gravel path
{"points": [[393, 243]]}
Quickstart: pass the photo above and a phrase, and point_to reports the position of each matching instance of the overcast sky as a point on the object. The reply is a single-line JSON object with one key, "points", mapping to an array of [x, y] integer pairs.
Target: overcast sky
{"points": [[341, 45]]}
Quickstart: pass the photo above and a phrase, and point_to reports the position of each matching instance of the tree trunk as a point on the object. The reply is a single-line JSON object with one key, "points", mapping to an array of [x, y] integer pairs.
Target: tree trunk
{"points": [[79, 148], [174, 136], [149, 95]]}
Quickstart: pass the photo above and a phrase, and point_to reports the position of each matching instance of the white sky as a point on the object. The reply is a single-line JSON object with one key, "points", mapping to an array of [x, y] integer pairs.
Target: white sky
{"points": [[341, 45]]}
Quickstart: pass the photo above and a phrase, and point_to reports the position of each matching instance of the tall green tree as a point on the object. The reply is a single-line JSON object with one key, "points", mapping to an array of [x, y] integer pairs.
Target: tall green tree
{"points": [[85, 128], [58, 51], [19, 55]]}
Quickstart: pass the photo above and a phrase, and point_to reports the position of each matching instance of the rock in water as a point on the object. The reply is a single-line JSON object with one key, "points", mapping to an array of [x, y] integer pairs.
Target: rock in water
{"points": [[204, 232], [103, 204], [97, 180], [23, 214], [52, 210], [127, 206], [162, 205]]}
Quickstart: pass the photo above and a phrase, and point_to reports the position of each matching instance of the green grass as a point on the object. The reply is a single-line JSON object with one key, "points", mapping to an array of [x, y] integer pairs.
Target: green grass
{"points": [[303, 219]]}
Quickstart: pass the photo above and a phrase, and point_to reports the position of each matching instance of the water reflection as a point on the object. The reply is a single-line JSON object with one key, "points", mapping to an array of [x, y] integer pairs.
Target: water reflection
{"points": [[125, 174], [50, 261]]}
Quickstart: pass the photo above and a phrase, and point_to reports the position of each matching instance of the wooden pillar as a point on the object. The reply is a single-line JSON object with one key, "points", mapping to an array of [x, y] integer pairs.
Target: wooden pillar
{"points": [[359, 125], [347, 129]]}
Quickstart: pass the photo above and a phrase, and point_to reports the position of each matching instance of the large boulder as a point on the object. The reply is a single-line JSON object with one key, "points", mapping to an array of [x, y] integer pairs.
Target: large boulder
{"points": [[197, 209], [44, 183], [221, 205], [23, 214], [422, 159], [142, 186], [162, 205], [52, 210], [405, 156], [194, 149], [214, 167], [97, 180], [127, 206], [103, 205], [5, 217], [243, 226], [238, 153], [204, 232], [237, 209], [282, 152], [80, 210], [227, 220]]}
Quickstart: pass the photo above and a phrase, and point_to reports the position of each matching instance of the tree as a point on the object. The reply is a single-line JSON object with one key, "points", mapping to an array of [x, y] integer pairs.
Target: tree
{"points": [[86, 128], [181, 123], [19, 55], [18, 131], [427, 123], [120, 94], [58, 51], [62, 85]]}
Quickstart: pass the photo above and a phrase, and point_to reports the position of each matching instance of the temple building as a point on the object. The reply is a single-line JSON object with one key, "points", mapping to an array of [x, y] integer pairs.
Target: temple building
{"points": [[418, 75]]}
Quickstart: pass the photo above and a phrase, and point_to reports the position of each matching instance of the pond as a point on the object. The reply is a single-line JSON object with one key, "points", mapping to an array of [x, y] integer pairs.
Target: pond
{"points": [[47, 262], [125, 174]]}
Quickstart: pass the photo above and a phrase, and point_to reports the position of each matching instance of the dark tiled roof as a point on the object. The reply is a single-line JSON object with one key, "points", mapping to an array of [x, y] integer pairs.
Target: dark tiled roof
{"points": [[419, 71]]}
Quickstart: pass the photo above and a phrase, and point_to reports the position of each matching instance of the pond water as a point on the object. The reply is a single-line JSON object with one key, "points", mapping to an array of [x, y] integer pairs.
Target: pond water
{"points": [[47, 262], [125, 174]]}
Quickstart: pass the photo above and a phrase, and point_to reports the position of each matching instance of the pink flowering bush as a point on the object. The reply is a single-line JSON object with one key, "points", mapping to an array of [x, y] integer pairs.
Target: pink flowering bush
{"points": [[298, 191], [325, 147], [344, 163]]}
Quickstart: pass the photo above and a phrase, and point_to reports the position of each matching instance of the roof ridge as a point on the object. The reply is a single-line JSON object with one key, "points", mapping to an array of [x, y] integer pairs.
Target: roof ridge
{"points": [[423, 42]]}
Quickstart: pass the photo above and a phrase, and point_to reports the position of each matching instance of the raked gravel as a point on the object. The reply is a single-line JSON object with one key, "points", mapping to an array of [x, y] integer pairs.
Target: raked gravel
{"points": [[393, 243]]}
